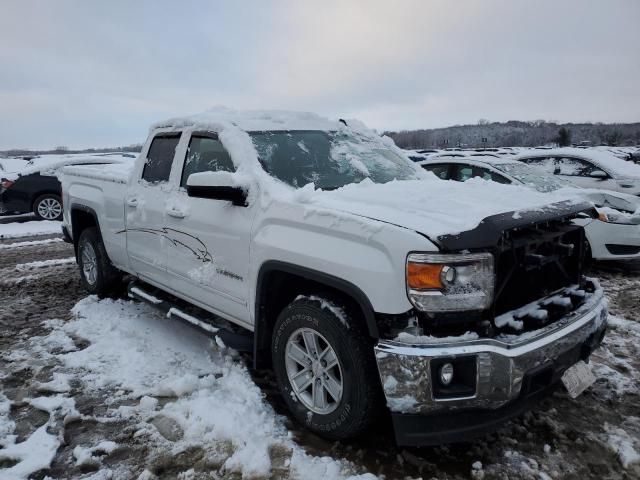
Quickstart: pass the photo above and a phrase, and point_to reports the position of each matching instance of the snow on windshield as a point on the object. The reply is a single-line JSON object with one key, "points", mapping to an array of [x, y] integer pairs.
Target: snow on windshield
{"points": [[532, 177], [329, 160]]}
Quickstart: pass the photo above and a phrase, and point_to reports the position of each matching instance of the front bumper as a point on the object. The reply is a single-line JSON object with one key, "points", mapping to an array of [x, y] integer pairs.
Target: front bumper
{"points": [[507, 373], [613, 241]]}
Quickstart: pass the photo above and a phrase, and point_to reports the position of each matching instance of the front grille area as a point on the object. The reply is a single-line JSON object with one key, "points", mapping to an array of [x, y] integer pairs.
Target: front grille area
{"points": [[535, 261], [532, 262]]}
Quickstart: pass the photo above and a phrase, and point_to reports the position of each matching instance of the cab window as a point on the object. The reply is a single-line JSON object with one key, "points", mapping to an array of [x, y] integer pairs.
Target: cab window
{"points": [[462, 173], [205, 154], [441, 170], [160, 157], [496, 177]]}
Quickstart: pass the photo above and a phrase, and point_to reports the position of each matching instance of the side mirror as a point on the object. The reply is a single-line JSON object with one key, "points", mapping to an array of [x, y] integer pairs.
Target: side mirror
{"points": [[599, 174], [217, 186]]}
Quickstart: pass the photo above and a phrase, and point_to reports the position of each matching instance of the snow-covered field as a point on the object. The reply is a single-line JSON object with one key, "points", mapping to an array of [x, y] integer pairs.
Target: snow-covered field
{"points": [[109, 389]]}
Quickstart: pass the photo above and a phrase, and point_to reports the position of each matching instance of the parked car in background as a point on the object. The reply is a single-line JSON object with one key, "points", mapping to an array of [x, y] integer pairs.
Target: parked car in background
{"points": [[614, 236], [587, 168], [421, 154], [33, 186]]}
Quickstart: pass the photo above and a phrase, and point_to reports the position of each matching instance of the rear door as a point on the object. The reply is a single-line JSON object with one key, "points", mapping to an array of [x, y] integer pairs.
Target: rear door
{"points": [[208, 257], [145, 210]]}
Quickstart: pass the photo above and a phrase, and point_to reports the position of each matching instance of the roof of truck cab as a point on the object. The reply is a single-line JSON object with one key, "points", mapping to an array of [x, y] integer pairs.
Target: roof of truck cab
{"points": [[251, 120]]}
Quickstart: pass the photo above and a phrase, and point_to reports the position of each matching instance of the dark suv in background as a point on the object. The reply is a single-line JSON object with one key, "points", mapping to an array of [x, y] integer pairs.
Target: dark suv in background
{"points": [[34, 187]]}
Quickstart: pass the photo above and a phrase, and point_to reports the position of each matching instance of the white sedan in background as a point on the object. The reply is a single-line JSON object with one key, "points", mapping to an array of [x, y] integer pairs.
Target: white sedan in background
{"points": [[587, 167], [614, 236]]}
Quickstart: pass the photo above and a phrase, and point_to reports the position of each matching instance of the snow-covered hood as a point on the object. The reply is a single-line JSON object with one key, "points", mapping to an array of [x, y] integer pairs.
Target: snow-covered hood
{"points": [[434, 208]]}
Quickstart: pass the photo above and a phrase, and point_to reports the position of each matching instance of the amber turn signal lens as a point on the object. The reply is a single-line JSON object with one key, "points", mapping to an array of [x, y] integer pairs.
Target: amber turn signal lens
{"points": [[603, 217], [423, 276]]}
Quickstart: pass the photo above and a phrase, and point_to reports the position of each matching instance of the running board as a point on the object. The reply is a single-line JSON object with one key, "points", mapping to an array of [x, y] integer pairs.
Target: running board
{"points": [[238, 341]]}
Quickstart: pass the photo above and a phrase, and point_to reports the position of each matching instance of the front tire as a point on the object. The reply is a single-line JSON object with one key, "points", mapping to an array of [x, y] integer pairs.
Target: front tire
{"points": [[97, 273], [325, 368], [48, 207]]}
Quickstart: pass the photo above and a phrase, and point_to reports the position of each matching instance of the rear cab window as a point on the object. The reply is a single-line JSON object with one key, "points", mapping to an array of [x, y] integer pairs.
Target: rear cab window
{"points": [[157, 167]]}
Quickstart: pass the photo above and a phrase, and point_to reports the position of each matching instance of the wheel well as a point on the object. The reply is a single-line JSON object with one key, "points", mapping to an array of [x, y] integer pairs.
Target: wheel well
{"points": [[280, 284], [81, 219]]}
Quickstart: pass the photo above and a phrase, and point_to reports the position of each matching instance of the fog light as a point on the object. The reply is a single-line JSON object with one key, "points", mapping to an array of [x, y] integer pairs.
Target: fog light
{"points": [[446, 374], [448, 275]]}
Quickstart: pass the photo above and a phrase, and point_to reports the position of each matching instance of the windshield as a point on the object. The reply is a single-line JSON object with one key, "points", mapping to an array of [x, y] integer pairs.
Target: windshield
{"points": [[533, 177], [328, 159]]}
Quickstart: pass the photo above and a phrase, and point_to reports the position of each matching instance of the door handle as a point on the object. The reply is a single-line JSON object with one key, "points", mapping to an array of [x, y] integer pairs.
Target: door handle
{"points": [[172, 212], [132, 202]]}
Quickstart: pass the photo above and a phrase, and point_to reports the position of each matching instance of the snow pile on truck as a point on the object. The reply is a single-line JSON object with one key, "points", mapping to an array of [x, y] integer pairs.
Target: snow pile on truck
{"points": [[50, 164]]}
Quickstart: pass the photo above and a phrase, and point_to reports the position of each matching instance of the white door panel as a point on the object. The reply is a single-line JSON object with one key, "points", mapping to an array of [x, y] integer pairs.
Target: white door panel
{"points": [[145, 209], [145, 242], [208, 240]]}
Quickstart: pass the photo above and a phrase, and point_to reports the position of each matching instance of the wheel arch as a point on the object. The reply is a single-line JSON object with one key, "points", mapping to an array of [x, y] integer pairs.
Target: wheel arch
{"points": [[272, 295], [82, 217]]}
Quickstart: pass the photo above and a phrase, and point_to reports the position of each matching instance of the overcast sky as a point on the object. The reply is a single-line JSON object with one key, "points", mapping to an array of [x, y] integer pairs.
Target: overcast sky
{"points": [[94, 73]]}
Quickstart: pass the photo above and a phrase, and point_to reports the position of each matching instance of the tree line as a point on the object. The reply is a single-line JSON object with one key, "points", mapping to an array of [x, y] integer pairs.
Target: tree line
{"points": [[62, 150], [516, 133]]}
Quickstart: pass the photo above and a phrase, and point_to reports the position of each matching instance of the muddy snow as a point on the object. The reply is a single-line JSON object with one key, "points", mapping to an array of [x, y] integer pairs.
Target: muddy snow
{"points": [[109, 389]]}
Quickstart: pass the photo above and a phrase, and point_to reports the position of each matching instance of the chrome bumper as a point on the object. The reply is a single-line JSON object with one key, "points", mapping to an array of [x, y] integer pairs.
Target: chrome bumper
{"points": [[501, 365]]}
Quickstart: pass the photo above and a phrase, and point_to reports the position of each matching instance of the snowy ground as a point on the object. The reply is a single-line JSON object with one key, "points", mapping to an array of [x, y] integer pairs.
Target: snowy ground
{"points": [[110, 389], [15, 226]]}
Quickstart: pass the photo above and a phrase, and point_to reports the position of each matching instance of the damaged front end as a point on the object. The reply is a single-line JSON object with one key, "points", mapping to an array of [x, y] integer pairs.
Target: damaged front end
{"points": [[451, 372]]}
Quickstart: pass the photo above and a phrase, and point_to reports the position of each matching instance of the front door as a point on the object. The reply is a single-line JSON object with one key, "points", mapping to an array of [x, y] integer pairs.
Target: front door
{"points": [[208, 256], [145, 210]]}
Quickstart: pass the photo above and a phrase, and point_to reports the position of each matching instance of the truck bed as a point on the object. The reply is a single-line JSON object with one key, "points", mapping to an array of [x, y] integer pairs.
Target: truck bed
{"points": [[101, 188]]}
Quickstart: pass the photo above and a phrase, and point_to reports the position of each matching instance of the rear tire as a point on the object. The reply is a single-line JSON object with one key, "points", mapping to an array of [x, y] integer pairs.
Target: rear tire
{"points": [[48, 207], [97, 273], [336, 402]]}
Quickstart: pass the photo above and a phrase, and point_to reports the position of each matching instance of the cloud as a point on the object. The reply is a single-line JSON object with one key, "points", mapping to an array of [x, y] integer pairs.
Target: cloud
{"points": [[98, 73]]}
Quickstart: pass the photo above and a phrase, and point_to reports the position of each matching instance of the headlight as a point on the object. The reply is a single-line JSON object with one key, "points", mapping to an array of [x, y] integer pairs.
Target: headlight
{"points": [[450, 282]]}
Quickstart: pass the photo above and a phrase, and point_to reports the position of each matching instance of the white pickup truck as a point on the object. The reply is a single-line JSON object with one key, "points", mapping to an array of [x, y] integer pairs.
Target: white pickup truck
{"points": [[362, 280]]}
